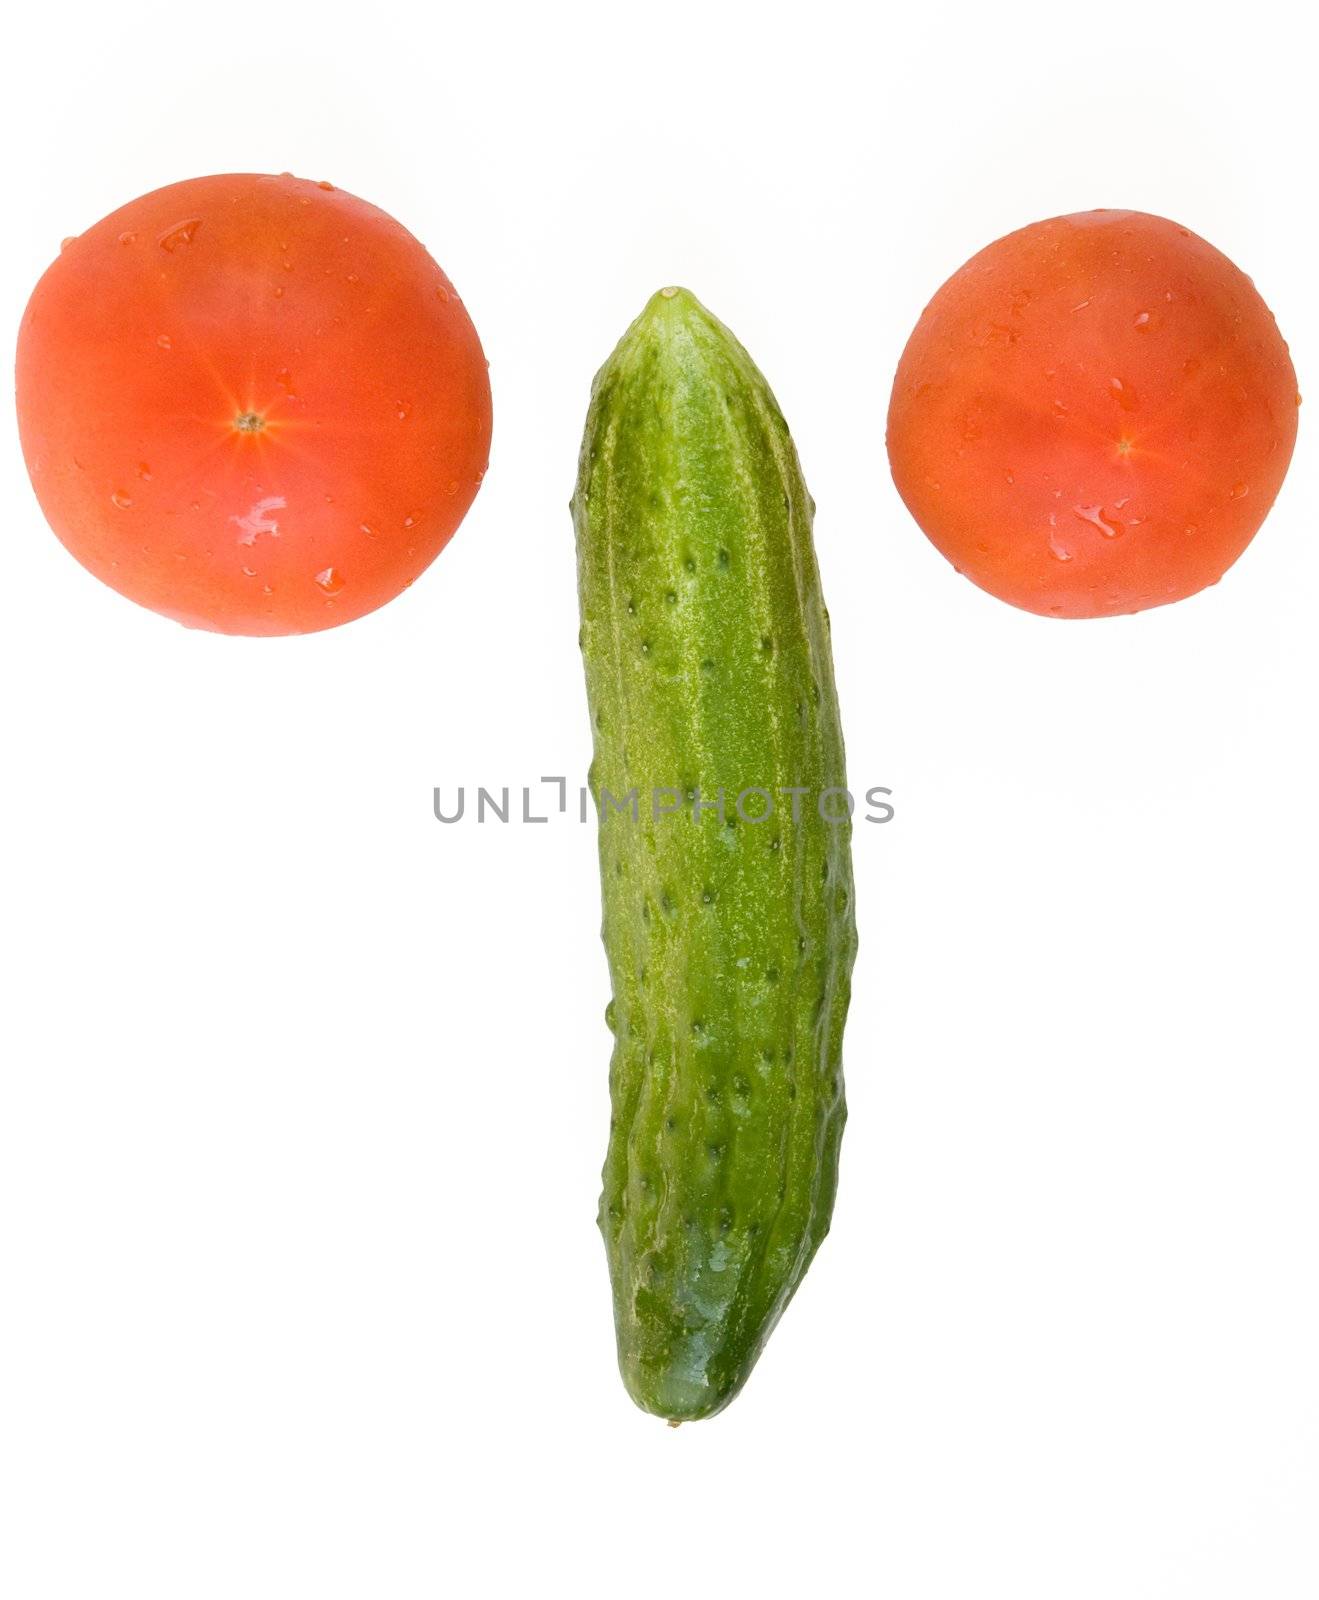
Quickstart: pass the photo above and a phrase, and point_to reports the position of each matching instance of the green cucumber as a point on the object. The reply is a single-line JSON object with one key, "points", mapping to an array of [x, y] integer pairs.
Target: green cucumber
{"points": [[730, 938]]}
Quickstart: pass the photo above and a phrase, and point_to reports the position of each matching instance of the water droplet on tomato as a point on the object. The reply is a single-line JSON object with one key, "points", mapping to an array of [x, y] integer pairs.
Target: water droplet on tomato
{"points": [[180, 234], [321, 184], [1094, 515], [164, 341], [122, 500], [144, 472], [65, 243], [248, 572], [412, 518], [259, 519], [1239, 491], [441, 293], [1143, 321], [367, 529], [128, 237], [1123, 394], [404, 411], [330, 580]]}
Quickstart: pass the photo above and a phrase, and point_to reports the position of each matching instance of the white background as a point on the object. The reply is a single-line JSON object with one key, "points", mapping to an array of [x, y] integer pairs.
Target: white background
{"points": [[304, 1096]]}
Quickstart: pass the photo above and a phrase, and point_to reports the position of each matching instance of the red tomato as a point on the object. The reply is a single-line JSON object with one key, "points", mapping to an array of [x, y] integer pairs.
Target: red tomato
{"points": [[254, 404], [1093, 415]]}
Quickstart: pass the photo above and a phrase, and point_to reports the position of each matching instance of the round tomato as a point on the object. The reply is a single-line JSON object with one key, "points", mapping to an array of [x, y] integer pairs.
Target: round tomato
{"points": [[1093, 415], [254, 404]]}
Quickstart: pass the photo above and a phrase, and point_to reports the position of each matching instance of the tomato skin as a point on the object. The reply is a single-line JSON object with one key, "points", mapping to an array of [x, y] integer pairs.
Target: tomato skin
{"points": [[254, 404], [1093, 415]]}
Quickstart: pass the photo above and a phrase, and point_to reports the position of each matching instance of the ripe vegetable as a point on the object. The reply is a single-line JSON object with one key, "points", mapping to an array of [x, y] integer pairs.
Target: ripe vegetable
{"points": [[254, 404], [1093, 415], [730, 940]]}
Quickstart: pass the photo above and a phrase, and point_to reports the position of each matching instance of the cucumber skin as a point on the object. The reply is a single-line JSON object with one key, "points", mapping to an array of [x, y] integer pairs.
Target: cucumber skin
{"points": [[730, 946]]}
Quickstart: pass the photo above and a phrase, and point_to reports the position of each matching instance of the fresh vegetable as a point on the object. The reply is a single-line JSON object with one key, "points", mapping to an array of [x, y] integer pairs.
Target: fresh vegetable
{"points": [[1093, 415], [254, 404], [730, 939]]}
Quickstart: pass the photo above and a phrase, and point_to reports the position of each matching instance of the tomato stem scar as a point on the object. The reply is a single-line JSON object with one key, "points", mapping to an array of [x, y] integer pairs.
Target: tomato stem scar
{"points": [[249, 422]]}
